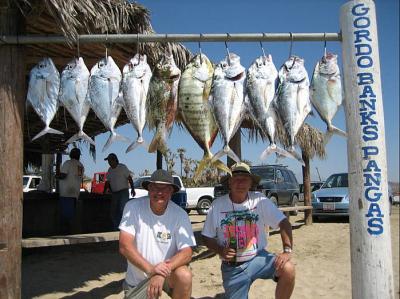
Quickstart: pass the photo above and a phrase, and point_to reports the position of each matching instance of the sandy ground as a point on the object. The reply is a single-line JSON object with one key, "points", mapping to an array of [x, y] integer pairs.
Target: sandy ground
{"points": [[321, 255]]}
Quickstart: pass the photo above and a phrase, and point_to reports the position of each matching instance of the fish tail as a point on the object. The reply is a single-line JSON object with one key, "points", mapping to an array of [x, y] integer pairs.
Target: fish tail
{"points": [[205, 161], [135, 144], [337, 131], [225, 151], [81, 135], [114, 137], [273, 148], [47, 130], [294, 155], [158, 143]]}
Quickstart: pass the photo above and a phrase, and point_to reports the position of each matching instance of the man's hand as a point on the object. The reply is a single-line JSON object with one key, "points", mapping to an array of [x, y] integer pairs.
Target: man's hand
{"points": [[281, 260], [154, 290], [162, 268], [228, 253]]}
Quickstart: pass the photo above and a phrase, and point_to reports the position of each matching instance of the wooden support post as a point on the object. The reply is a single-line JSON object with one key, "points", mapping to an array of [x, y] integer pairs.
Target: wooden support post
{"points": [[236, 145], [370, 242], [307, 189], [58, 168], [159, 160], [12, 87]]}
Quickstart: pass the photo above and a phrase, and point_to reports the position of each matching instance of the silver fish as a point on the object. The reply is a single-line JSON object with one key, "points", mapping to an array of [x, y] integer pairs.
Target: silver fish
{"points": [[293, 99], [135, 85], [196, 114], [262, 77], [105, 97], [44, 85], [326, 92], [73, 95], [227, 100], [162, 101]]}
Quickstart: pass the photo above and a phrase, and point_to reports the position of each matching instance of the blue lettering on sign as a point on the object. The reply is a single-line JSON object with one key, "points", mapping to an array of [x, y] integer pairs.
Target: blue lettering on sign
{"points": [[372, 173]]}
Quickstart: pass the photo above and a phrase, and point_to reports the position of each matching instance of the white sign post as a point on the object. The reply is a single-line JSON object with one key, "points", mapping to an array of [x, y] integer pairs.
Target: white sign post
{"points": [[371, 253]]}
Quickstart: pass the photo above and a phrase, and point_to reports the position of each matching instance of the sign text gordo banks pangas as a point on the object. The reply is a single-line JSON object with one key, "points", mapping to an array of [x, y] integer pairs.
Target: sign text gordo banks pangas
{"points": [[368, 118]]}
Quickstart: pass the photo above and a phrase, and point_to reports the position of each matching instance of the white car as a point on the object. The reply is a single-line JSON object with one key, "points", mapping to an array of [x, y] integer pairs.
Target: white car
{"points": [[30, 182]]}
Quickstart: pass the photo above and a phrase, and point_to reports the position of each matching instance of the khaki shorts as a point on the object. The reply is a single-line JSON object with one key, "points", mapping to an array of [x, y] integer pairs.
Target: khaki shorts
{"points": [[140, 291]]}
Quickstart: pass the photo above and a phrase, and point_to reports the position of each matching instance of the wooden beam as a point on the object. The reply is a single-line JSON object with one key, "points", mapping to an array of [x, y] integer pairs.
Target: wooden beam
{"points": [[12, 81]]}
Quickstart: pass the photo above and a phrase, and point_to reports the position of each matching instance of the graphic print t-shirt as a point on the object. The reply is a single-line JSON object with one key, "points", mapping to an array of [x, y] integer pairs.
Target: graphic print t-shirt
{"points": [[242, 226]]}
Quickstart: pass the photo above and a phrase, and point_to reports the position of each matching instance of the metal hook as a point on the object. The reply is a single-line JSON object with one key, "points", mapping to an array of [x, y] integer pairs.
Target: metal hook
{"points": [[106, 46], [77, 46], [137, 47], [324, 44], [262, 49], [227, 50], [291, 44], [201, 59]]}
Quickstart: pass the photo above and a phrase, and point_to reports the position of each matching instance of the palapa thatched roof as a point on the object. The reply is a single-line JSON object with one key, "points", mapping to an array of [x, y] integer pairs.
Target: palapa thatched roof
{"points": [[71, 18]]}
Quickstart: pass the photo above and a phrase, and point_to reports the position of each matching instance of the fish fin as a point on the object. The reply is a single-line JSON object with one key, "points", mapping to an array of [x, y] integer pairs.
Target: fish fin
{"points": [[337, 131], [294, 155], [225, 151], [47, 130], [135, 144], [81, 135], [114, 137], [158, 143]]}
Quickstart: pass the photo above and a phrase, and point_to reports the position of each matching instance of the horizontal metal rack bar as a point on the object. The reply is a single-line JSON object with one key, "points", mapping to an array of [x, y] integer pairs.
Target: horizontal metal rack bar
{"points": [[143, 38]]}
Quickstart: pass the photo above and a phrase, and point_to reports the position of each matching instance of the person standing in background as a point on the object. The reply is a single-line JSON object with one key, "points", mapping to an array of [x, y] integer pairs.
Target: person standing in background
{"points": [[119, 177], [70, 176]]}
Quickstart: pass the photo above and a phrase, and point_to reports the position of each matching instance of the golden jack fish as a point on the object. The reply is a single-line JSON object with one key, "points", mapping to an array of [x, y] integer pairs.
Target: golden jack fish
{"points": [[194, 91]]}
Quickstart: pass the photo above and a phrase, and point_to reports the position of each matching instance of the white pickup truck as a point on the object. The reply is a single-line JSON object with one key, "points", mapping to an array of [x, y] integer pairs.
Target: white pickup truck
{"points": [[30, 182], [198, 199]]}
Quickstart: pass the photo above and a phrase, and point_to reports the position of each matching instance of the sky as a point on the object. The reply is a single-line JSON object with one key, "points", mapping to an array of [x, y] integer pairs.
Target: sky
{"points": [[234, 16]]}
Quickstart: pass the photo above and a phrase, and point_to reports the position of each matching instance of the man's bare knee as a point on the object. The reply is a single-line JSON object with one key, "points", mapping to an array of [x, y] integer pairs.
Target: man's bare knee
{"points": [[181, 276]]}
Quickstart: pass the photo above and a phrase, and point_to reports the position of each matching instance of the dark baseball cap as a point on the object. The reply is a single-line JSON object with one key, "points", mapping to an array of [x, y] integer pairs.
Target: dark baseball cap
{"points": [[111, 156]]}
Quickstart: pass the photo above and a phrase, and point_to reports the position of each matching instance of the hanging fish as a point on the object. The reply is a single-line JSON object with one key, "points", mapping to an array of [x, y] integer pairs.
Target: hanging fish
{"points": [[162, 101], [194, 91], [262, 77], [135, 85], [73, 95], [292, 99], [227, 100], [44, 85], [105, 97], [326, 92]]}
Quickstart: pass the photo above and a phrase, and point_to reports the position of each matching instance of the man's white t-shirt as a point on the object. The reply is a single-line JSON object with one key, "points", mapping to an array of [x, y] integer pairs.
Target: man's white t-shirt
{"points": [[157, 238], [242, 226], [71, 185], [118, 177]]}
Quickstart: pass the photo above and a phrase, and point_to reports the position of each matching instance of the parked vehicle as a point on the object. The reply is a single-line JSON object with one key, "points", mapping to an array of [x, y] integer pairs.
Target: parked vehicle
{"points": [[333, 197], [316, 185], [30, 182], [98, 182], [277, 182], [198, 199]]}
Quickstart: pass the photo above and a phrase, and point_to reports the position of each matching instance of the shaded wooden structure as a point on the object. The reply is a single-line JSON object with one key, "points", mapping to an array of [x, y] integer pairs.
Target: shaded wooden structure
{"points": [[53, 17]]}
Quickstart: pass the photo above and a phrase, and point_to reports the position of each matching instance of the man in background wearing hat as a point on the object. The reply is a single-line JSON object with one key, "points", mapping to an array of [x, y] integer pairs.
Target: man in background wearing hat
{"points": [[156, 238], [118, 177], [70, 176], [235, 229]]}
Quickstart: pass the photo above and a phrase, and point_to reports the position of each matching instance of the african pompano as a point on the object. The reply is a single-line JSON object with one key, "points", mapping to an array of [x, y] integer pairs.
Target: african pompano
{"points": [[135, 85], [194, 90], [106, 102], [260, 86], [44, 85], [326, 92], [73, 95], [227, 100], [292, 98], [162, 101]]}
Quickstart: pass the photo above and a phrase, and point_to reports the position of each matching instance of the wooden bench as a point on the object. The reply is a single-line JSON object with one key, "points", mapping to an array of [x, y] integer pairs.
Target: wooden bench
{"points": [[287, 210]]}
